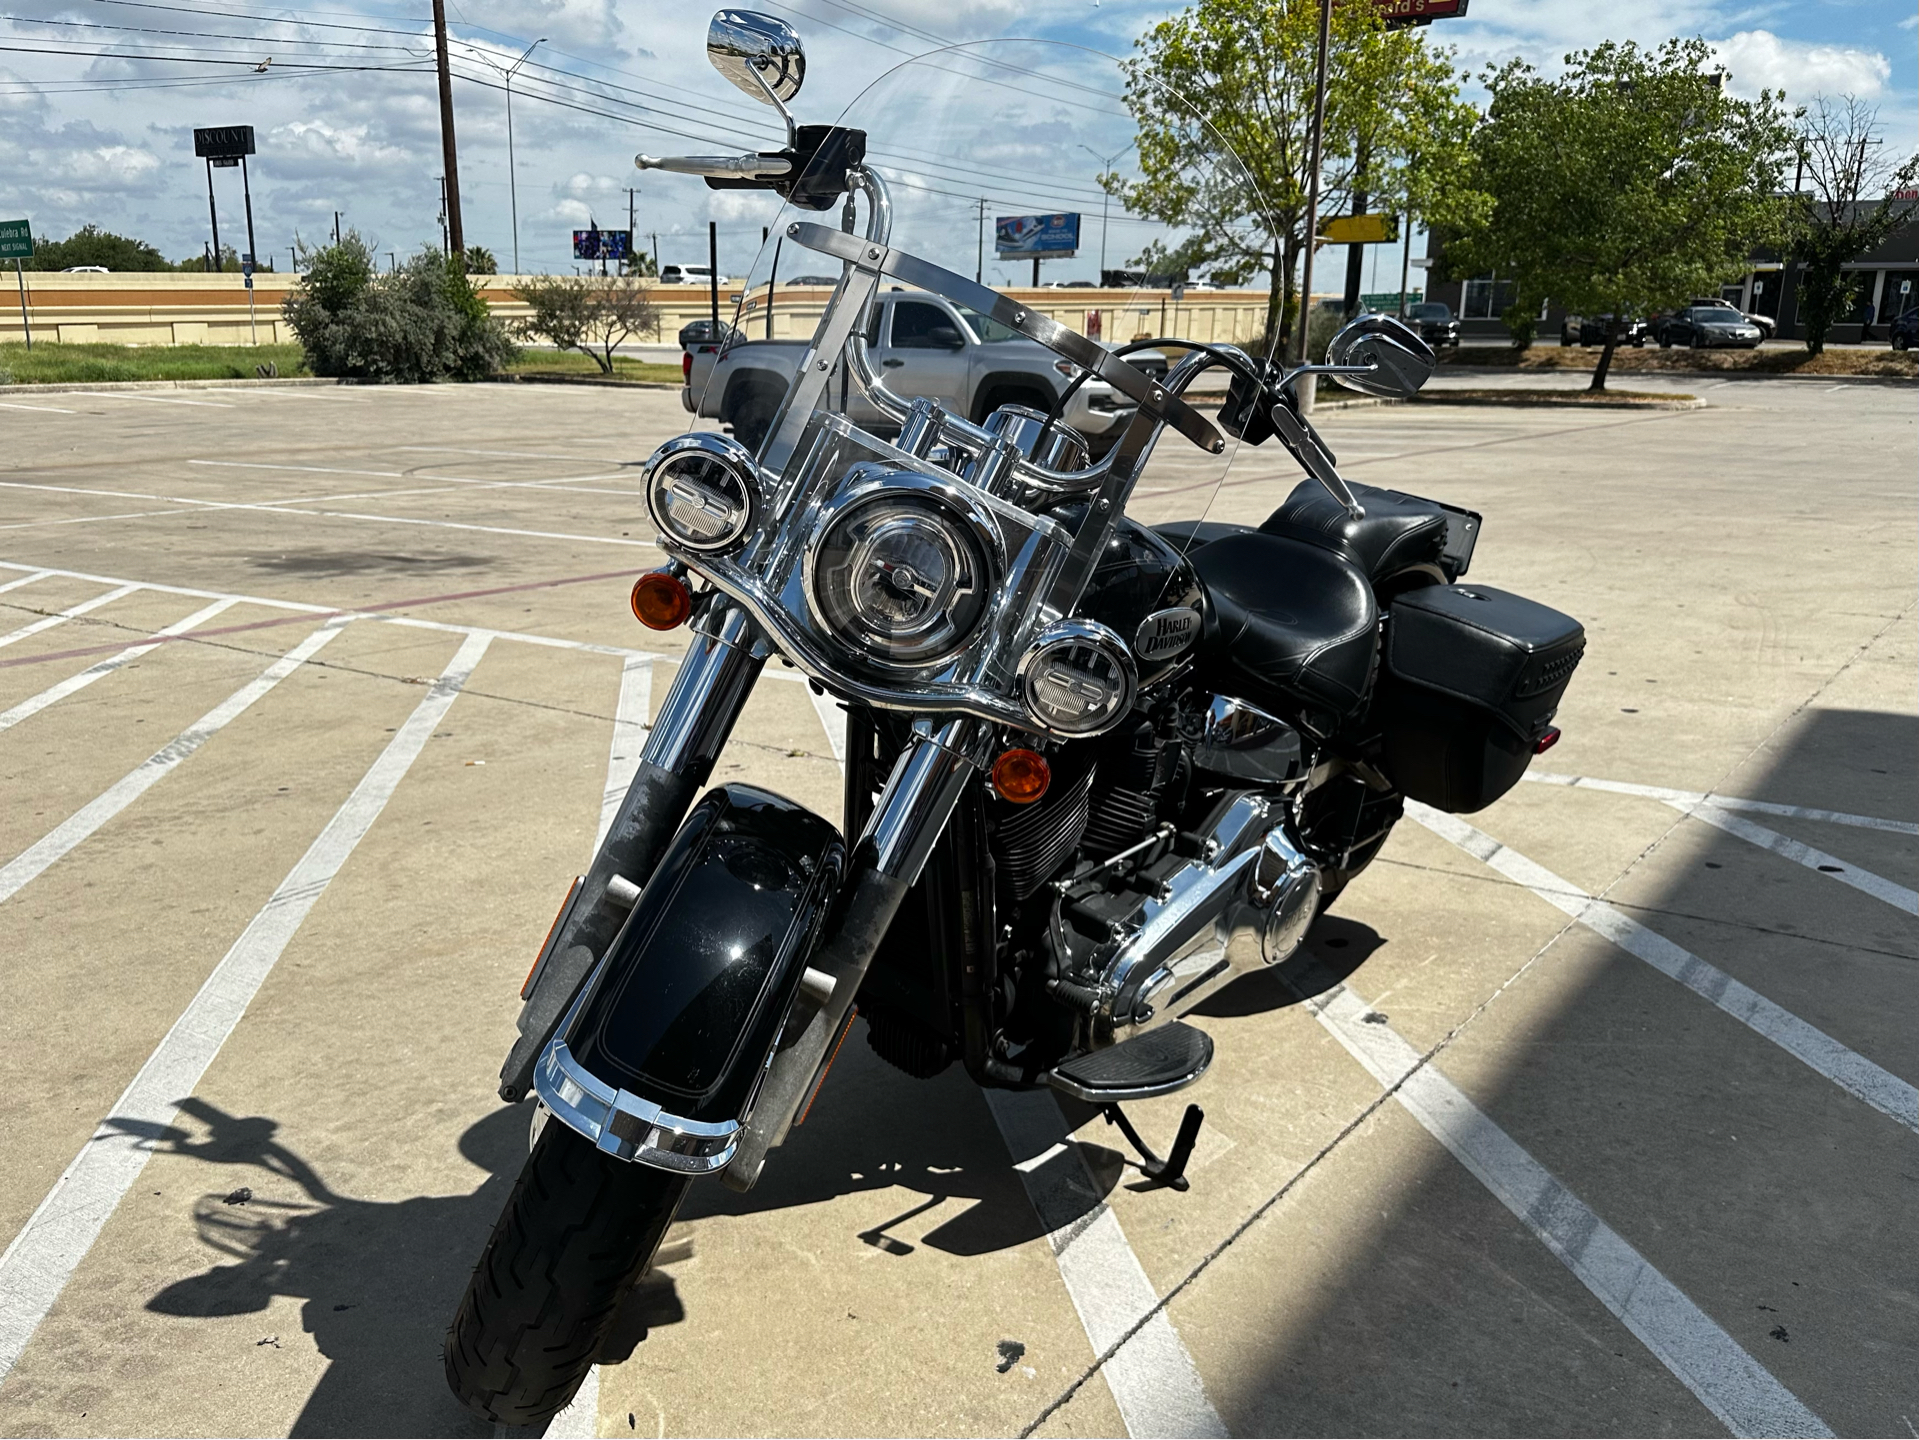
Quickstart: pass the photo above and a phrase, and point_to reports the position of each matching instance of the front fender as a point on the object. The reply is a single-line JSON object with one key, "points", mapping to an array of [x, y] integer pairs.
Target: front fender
{"points": [[661, 1057]]}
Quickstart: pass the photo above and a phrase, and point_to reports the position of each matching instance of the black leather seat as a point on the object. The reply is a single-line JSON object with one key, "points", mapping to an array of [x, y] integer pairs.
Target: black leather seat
{"points": [[1288, 624], [1399, 530]]}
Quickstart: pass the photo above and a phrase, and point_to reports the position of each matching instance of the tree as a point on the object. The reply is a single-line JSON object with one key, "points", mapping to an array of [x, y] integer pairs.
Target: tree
{"points": [[586, 313], [1838, 220], [1629, 183], [420, 323], [1238, 75], [480, 261], [90, 245]]}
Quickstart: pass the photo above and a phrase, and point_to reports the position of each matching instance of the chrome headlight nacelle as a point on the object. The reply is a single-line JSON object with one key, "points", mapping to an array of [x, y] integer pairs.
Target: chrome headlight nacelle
{"points": [[1077, 678], [900, 567], [703, 491]]}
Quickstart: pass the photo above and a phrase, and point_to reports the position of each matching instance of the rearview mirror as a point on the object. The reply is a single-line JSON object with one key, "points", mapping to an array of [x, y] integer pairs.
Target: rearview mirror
{"points": [[760, 54], [1400, 362]]}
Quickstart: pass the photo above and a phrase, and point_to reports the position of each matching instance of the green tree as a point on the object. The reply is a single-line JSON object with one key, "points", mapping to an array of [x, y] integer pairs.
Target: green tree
{"points": [[1630, 182], [1849, 210], [420, 323], [480, 261], [90, 245], [588, 313], [1243, 72]]}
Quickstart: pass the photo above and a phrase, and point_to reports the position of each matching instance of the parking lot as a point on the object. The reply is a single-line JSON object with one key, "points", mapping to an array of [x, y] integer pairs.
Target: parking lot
{"points": [[1591, 1113]]}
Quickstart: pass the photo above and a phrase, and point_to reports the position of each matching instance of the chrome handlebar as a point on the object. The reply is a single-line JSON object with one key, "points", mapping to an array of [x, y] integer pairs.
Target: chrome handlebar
{"points": [[743, 167]]}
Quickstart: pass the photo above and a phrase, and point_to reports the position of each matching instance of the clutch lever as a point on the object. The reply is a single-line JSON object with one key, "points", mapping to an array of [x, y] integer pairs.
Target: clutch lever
{"points": [[1298, 436], [744, 167]]}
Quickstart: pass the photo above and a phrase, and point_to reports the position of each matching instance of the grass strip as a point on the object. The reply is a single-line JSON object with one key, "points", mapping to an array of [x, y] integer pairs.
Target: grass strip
{"points": [[92, 364]]}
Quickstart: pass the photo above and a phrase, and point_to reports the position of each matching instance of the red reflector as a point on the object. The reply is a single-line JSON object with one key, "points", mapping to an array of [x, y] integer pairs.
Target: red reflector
{"points": [[1547, 741], [661, 600], [686, 365]]}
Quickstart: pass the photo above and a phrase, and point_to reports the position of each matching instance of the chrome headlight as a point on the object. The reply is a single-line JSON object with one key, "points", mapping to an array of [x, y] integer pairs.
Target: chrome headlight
{"points": [[901, 575], [703, 491], [1076, 678]]}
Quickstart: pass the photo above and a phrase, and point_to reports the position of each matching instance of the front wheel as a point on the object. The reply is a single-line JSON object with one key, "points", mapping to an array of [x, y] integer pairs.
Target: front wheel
{"points": [[579, 1229]]}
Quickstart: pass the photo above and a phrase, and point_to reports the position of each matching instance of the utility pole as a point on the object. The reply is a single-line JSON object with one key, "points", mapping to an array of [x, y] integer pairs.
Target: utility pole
{"points": [[713, 272], [632, 266], [1305, 397], [1405, 260], [1105, 201], [336, 227], [456, 234], [1356, 254], [979, 260], [213, 214]]}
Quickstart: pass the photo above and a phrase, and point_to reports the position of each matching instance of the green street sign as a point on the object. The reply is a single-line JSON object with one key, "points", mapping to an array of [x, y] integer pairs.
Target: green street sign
{"points": [[16, 240]]}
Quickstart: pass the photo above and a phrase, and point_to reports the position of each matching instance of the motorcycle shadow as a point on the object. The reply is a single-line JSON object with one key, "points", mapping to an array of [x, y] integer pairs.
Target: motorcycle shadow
{"points": [[1334, 949], [379, 1279]]}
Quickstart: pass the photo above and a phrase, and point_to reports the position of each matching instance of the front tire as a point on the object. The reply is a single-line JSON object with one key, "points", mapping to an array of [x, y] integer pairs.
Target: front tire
{"points": [[579, 1229]]}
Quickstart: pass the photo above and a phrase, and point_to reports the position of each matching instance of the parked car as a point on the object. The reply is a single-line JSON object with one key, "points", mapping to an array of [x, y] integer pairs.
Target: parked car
{"points": [[1591, 330], [1435, 322], [690, 275], [86, 270], [1702, 326], [704, 332], [1765, 323], [1905, 329], [827, 280], [969, 363]]}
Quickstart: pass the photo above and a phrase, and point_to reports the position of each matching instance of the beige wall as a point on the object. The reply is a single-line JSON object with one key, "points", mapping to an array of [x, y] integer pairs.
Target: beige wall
{"points": [[188, 309]]}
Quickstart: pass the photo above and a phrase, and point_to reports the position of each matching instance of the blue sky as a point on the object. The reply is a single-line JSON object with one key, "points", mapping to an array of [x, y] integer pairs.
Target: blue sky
{"points": [[102, 130]]}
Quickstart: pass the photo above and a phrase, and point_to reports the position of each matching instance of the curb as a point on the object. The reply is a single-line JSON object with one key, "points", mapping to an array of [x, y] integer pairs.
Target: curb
{"points": [[1696, 376], [601, 381], [67, 387]]}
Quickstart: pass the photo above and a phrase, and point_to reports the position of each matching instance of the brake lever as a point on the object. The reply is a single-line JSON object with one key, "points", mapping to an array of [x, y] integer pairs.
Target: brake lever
{"points": [[744, 167], [1298, 436]]}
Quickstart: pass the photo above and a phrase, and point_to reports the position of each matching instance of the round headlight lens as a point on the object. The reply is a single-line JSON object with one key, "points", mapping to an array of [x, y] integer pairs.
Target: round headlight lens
{"points": [[703, 491], [900, 576], [1077, 678]]}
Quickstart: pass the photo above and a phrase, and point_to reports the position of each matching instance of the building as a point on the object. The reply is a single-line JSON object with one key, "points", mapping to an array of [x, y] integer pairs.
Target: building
{"points": [[1890, 282]]}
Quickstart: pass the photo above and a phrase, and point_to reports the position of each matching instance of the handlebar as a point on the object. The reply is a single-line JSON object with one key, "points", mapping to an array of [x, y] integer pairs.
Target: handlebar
{"points": [[744, 167]]}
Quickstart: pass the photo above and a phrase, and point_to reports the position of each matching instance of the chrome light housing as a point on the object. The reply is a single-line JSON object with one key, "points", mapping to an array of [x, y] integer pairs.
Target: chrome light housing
{"points": [[900, 570], [703, 491], [1077, 678]]}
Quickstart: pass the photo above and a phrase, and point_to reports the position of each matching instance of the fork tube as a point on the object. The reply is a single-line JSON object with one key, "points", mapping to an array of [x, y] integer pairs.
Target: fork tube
{"points": [[919, 798], [715, 677]]}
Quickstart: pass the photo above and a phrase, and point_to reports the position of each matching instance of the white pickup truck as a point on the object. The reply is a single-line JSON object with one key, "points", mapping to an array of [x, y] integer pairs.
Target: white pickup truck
{"points": [[924, 345]]}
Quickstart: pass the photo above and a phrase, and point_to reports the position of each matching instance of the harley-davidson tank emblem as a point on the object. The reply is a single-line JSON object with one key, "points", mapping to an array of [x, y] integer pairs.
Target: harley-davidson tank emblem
{"points": [[1165, 633]]}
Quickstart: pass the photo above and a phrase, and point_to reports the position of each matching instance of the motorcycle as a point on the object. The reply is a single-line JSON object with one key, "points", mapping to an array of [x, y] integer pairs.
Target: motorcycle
{"points": [[1095, 769]]}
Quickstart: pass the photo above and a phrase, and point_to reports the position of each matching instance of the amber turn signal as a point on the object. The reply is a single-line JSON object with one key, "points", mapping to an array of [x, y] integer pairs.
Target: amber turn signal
{"points": [[1021, 776], [661, 600]]}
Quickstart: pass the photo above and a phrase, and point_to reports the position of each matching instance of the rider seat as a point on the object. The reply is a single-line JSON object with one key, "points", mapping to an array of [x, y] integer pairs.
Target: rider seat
{"points": [[1288, 624], [1396, 531]]}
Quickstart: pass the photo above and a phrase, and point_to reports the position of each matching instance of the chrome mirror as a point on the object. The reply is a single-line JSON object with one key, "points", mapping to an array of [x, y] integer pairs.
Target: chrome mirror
{"points": [[1378, 355], [760, 54]]}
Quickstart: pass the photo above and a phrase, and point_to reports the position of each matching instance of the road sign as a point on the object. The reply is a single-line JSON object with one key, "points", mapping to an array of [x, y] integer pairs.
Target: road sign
{"points": [[1388, 300], [223, 143], [598, 244], [1054, 237], [1397, 13], [16, 240], [1360, 230]]}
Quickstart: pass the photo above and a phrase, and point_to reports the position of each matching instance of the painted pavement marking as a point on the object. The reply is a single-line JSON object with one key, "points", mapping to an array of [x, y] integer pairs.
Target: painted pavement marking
{"points": [[47, 622], [1725, 802], [1818, 861], [1806, 1043], [55, 693], [43, 1256]]}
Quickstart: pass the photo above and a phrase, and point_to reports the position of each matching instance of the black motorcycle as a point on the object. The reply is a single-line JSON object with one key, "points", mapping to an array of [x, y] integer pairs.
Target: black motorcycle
{"points": [[1095, 769]]}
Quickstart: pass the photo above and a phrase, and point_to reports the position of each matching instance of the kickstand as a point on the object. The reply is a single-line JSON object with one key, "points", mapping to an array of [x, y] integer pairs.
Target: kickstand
{"points": [[1171, 1171]]}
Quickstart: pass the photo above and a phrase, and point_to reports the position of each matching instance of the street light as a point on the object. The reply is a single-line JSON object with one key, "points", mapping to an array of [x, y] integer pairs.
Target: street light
{"points": [[512, 180], [1105, 164]]}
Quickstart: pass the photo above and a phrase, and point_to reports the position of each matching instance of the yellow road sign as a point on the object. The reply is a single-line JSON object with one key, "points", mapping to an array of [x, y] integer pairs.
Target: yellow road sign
{"points": [[1359, 230]]}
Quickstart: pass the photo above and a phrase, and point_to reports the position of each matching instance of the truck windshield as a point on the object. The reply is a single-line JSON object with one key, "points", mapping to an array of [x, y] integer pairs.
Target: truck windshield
{"points": [[990, 332]]}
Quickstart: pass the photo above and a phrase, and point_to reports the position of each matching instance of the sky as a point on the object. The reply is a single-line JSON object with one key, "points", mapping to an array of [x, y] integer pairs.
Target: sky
{"points": [[98, 100]]}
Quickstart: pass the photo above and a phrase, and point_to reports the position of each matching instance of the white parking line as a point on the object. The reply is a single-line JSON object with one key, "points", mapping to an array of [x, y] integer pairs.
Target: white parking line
{"points": [[1725, 802], [71, 612], [1846, 1068], [629, 737], [55, 693], [1152, 1377], [50, 409], [57, 842], [1880, 888], [24, 580], [43, 1256], [149, 399], [1745, 1396]]}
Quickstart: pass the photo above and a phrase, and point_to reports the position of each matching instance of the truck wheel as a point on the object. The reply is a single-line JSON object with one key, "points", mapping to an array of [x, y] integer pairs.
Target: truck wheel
{"points": [[579, 1229]]}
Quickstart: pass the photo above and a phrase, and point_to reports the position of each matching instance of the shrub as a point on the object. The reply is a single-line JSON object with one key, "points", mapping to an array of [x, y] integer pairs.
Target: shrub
{"points": [[593, 316], [421, 323]]}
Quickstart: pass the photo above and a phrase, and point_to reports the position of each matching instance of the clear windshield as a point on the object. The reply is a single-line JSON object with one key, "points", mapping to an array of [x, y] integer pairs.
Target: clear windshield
{"points": [[1002, 162]]}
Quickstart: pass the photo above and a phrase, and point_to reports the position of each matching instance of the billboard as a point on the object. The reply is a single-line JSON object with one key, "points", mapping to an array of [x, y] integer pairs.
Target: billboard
{"points": [[223, 142], [1020, 236], [597, 244], [1360, 230]]}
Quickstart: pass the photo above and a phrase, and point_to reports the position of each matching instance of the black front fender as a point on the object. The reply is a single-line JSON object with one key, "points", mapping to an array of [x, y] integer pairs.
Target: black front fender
{"points": [[682, 1014]]}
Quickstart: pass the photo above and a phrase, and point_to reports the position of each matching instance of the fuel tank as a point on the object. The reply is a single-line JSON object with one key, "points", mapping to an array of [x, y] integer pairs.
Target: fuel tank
{"points": [[1147, 591]]}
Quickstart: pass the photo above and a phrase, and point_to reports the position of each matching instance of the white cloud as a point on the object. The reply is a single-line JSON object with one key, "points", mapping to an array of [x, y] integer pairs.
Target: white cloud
{"points": [[1761, 60]]}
